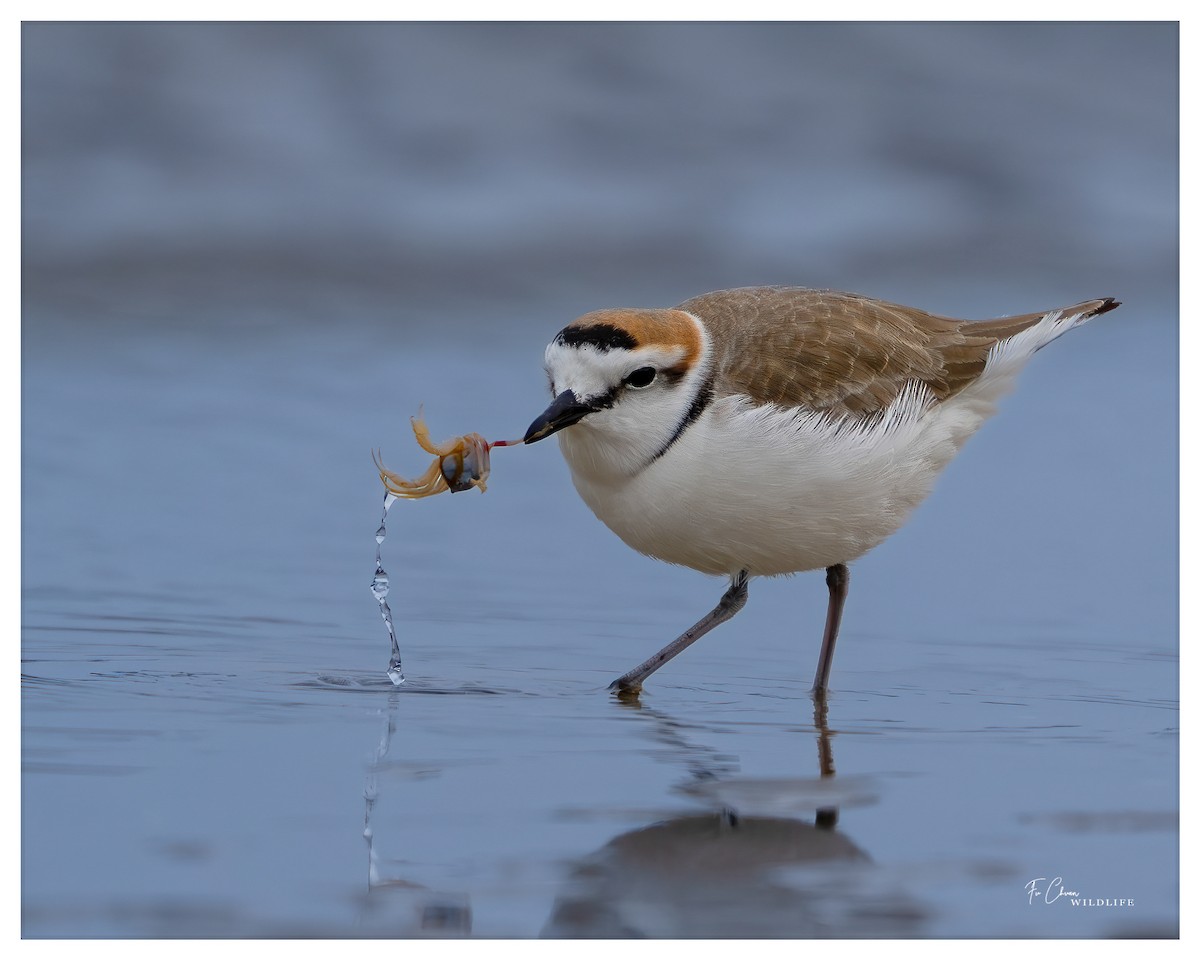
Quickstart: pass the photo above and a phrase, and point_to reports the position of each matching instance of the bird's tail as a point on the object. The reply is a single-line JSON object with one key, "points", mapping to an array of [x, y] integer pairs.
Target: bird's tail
{"points": [[1067, 318]]}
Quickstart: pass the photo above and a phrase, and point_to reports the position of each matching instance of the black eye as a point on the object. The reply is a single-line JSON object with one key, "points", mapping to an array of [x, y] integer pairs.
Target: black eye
{"points": [[641, 377]]}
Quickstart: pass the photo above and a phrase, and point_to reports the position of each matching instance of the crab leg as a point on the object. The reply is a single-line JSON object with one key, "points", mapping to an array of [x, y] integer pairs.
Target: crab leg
{"points": [[426, 485], [421, 432]]}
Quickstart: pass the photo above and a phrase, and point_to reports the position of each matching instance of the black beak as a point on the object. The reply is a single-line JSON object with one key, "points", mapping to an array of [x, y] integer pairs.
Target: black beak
{"points": [[564, 411]]}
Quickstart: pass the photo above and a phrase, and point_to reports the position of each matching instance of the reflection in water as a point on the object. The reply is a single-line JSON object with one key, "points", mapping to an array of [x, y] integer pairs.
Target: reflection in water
{"points": [[825, 815], [707, 875], [371, 792], [436, 913], [731, 873]]}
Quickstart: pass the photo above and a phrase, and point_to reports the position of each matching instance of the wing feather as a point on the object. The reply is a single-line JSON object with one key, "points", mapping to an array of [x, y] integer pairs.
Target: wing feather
{"points": [[842, 353]]}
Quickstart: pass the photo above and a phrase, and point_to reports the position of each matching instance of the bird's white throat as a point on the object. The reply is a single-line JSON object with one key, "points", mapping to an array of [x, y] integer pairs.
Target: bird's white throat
{"points": [[634, 426]]}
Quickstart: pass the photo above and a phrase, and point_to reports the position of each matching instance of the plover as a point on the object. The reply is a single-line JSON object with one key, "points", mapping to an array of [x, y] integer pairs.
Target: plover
{"points": [[772, 430]]}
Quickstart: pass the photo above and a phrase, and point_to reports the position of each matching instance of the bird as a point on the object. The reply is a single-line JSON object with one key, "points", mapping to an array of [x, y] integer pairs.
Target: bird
{"points": [[767, 431]]}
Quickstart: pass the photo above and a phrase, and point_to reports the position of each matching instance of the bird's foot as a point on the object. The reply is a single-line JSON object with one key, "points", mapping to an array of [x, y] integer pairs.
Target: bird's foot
{"points": [[625, 690]]}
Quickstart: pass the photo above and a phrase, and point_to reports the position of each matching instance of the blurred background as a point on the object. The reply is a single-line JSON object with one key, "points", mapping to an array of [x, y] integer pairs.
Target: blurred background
{"points": [[251, 250], [346, 171]]}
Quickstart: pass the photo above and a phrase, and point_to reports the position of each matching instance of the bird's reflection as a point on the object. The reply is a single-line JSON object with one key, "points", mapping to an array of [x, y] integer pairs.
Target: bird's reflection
{"points": [[767, 860], [826, 816]]}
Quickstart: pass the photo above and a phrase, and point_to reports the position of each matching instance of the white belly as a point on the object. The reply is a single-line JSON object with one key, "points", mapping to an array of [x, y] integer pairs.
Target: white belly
{"points": [[772, 491]]}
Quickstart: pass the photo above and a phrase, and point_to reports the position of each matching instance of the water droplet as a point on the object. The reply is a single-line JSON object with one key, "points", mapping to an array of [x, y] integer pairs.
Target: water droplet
{"points": [[380, 587]]}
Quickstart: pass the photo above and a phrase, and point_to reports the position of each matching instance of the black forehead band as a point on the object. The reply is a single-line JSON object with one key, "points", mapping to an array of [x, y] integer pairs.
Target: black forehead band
{"points": [[602, 336]]}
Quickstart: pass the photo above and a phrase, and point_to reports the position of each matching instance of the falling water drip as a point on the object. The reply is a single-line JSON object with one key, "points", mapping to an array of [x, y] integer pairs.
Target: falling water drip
{"points": [[379, 587]]}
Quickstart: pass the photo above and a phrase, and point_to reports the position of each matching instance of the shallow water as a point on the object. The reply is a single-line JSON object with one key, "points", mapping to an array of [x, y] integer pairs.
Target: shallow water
{"points": [[211, 747], [205, 701]]}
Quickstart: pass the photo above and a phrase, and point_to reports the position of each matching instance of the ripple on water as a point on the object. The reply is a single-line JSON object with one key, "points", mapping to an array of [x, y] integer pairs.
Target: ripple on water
{"points": [[384, 685]]}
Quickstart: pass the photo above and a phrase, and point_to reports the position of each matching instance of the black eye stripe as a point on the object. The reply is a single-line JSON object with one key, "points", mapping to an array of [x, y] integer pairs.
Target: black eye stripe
{"points": [[673, 374]]}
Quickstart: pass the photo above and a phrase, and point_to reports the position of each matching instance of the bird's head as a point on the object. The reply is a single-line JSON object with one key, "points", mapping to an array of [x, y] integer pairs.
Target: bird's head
{"points": [[623, 381]]}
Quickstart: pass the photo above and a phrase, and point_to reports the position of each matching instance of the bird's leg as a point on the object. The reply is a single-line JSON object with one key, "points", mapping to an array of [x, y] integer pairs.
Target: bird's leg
{"points": [[837, 578], [730, 603]]}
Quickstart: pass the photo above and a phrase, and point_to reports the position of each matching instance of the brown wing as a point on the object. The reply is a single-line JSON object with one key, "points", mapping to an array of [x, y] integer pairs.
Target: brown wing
{"points": [[843, 353]]}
